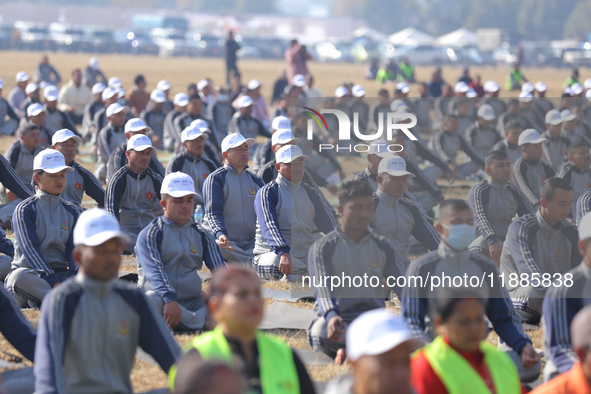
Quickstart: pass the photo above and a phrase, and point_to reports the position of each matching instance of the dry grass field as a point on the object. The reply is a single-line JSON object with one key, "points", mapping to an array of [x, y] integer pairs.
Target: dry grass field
{"points": [[182, 71]]}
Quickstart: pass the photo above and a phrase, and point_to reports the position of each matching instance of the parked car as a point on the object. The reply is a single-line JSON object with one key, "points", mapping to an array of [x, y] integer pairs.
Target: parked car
{"points": [[32, 36], [363, 49], [334, 52], [422, 54], [136, 42], [577, 57], [102, 40], [69, 38], [205, 44], [171, 42], [6, 36]]}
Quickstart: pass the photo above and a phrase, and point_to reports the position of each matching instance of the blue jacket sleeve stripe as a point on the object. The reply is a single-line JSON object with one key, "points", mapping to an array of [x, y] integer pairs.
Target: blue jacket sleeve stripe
{"points": [[115, 190], [423, 230], [11, 181], [478, 199], [213, 196], [26, 235], [92, 186], [15, 328], [518, 236], [265, 204], [523, 205], [212, 254], [319, 266], [324, 218]]}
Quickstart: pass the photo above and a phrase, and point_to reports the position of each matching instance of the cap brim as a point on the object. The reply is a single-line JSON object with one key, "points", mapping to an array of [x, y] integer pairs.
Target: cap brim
{"points": [[400, 173], [556, 122], [293, 158], [294, 139], [122, 109], [158, 101], [486, 117], [569, 118], [249, 141], [143, 148], [51, 98], [36, 113], [101, 238], [194, 137], [386, 343], [538, 141], [135, 129], [182, 193], [55, 170], [78, 139], [182, 103]]}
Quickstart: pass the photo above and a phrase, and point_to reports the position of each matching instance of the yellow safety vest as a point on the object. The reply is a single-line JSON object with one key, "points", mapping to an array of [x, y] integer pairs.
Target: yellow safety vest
{"points": [[278, 371], [458, 376]]}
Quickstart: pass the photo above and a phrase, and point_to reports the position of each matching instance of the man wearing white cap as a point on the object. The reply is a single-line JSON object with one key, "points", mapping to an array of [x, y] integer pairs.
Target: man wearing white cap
{"points": [[569, 124], [556, 145], [244, 122], [17, 94], [171, 250], [109, 138], [529, 171], [541, 104], [91, 109], [134, 191], [36, 115], [379, 109], [288, 211], [309, 89], [191, 160], [396, 217], [10, 126], [168, 105], [464, 111], [109, 96], [509, 144], [80, 180], [481, 135], [220, 113], [577, 172], [43, 225], [264, 152], [379, 150], [460, 91], [259, 110], [359, 106], [118, 159], [45, 72], [560, 306], [229, 193], [154, 117], [74, 96], [93, 74], [495, 202], [171, 139], [513, 113], [354, 249], [21, 153], [194, 111], [100, 318], [378, 348], [33, 97], [54, 118], [491, 98], [526, 102], [205, 91]]}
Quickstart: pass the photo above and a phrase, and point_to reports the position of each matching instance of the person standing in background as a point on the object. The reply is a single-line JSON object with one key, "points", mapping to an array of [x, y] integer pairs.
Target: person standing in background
{"points": [[296, 56], [231, 48]]}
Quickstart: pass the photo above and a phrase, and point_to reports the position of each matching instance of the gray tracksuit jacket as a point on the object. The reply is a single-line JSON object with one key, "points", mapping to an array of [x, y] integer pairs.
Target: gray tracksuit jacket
{"points": [[481, 139], [198, 169], [555, 150], [56, 120], [6, 110], [287, 214], [118, 160], [171, 256], [109, 138], [132, 198], [528, 176], [43, 226], [21, 160], [513, 151], [448, 145], [398, 219], [229, 203], [248, 126], [338, 254], [80, 181], [170, 137], [579, 180], [155, 120], [583, 205], [88, 335]]}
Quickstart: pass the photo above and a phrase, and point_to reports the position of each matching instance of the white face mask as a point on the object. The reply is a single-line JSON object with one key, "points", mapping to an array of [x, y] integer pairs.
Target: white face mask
{"points": [[222, 98]]}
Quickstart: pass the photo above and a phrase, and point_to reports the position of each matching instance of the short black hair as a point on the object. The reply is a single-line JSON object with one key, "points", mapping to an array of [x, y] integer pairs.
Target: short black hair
{"points": [[574, 146], [28, 127], [383, 92], [191, 86], [448, 298], [495, 155], [450, 117], [550, 185], [455, 204], [195, 96], [76, 70], [354, 189], [138, 78], [513, 102], [513, 124]]}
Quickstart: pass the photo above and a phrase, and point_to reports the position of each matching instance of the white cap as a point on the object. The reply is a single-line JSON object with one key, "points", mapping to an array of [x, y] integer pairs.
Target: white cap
{"points": [[568, 91], [289, 153], [253, 84], [527, 87], [31, 87], [201, 125], [50, 93], [245, 101], [158, 96], [96, 226], [587, 83], [280, 122], [178, 184], [588, 95], [585, 227], [530, 136], [283, 136], [341, 91], [553, 117], [379, 148], [202, 84], [461, 87], [163, 85], [192, 133], [398, 105], [403, 87], [115, 108], [486, 112], [471, 93], [93, 63], [1, 84], [135, 124], [35, 109], [63, 135], [358, 91], [577, 88], [375, 332], [394, 165], [525, 97], [234, 140], [115, 82], [540, 86], [120, 92], [108, 92], [98, 87], [50, 160], [22, 76], [298, 80], [491, 87], [139, 143], [567, 116], [181, 99]]}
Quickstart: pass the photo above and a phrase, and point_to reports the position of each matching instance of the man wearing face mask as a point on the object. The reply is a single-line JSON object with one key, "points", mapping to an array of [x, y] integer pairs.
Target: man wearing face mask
{"points": [[456, 226], [537, 244], [220, 112]]}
